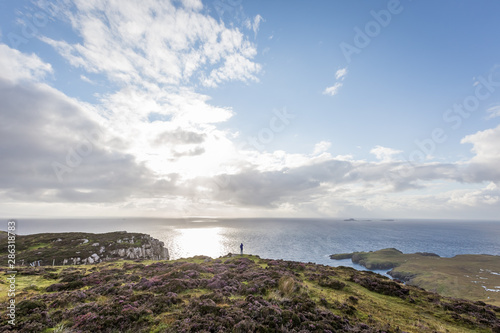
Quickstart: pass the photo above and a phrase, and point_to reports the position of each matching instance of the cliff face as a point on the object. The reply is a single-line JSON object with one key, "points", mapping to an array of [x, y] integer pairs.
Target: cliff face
{"points": [[125, 247], [151, 249], [86, 248]]}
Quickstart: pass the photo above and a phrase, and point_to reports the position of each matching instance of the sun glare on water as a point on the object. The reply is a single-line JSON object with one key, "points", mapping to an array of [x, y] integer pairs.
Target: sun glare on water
{"points": [[188, 242]]}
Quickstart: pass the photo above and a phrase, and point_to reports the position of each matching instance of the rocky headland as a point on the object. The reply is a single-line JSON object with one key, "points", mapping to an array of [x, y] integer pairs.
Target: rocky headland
{"points": [[78, 248], [475, 277]]}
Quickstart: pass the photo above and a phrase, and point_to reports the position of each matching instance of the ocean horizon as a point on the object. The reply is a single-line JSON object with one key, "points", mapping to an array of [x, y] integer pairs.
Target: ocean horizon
{"points": [[296, 239]]}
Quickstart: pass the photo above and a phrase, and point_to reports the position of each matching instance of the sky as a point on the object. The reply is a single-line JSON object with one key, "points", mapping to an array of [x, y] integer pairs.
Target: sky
{"points": [[238, 108]]}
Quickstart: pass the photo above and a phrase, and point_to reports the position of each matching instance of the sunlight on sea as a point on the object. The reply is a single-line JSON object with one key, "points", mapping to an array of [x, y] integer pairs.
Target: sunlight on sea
{"points": [[188, 242]]}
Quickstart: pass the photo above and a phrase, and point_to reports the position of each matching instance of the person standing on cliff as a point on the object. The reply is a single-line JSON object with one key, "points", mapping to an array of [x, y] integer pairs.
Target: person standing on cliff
{"points": [[241, 248]]}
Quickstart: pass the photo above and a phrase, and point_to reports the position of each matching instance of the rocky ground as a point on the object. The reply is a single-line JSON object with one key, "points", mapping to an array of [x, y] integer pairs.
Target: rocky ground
{"points": [[231, 294]]}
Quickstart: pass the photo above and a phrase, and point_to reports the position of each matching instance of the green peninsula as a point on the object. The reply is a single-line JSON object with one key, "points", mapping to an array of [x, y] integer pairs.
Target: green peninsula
{"points": [[473, 277]]}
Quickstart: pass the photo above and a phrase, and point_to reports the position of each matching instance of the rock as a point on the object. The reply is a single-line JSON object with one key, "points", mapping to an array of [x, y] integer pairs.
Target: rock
{"points": [[428, 254], [95, 244], [341, 256], [151, 249], [403, 276]]}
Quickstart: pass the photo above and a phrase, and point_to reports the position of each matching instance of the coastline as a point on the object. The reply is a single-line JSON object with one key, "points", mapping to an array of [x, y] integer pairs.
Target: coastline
{"points": [[474, 277]]}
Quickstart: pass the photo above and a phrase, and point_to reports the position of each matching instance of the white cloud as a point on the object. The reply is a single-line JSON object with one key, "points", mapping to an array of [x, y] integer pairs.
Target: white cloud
{"points": [[494, 112], [236, 67], [194, 4], [341, 73], [16, 66], [160, 144], [58, 153], [86, 79], [339, 76], [487, 196], [484, 166], [385, 154], [333, 90], [321, 147], [255, 24], [156, 42], [159, 53]]}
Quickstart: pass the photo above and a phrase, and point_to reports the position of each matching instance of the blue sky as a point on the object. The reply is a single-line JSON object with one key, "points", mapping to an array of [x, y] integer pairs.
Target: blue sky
{"points": [[250, 108]]}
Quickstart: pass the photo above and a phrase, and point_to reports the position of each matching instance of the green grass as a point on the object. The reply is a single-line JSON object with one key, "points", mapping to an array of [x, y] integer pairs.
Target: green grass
{"points": [[39, 246], [462, 276]]}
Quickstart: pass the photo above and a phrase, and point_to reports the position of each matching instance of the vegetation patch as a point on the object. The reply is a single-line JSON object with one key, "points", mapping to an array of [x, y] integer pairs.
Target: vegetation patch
{"points": [[234, 294]]}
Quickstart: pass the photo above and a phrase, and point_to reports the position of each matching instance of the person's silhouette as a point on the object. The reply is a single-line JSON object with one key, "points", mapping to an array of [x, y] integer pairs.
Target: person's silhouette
{"points": [[241, 248]]}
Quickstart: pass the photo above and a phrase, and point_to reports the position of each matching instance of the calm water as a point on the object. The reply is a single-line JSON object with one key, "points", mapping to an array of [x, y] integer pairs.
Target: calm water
{"points": [[306, 240]]}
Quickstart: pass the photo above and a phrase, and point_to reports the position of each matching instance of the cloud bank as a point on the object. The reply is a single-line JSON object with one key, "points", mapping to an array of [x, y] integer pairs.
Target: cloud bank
{"points": [[155, 144]]}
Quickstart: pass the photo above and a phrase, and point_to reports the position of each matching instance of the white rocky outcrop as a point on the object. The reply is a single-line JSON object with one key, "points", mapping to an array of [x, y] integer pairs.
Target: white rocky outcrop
{"points": [[150, 249], [122, 248]]}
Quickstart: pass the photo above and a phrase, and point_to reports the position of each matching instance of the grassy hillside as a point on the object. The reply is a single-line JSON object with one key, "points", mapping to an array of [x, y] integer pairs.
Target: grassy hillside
{"points": [[232, 294], [475, 277]]}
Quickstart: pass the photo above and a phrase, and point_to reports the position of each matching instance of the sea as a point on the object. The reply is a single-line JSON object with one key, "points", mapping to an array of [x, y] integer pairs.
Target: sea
{"points": [[297, 239]]}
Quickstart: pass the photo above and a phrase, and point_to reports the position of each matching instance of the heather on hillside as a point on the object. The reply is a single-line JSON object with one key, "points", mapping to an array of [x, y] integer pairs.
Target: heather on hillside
{"points": [[233, 294]]}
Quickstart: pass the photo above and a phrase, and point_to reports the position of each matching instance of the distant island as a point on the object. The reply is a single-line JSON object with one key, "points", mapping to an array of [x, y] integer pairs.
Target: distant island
{"points": [[353, 220], [233, 293], [475, 277]]}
